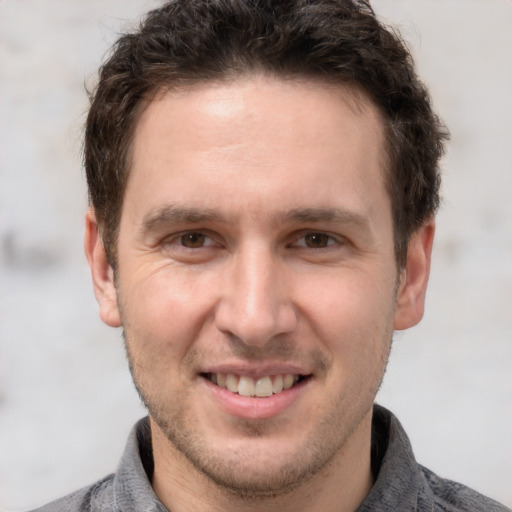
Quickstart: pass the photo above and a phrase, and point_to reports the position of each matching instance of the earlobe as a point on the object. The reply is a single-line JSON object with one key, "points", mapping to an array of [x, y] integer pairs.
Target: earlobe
{"points": [[101, 272], [414, 278]]}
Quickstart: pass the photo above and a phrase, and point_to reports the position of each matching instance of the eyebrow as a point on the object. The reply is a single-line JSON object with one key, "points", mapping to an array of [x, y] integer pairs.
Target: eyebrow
{"points": [[175, 214], [336, 215], [166, 215]]}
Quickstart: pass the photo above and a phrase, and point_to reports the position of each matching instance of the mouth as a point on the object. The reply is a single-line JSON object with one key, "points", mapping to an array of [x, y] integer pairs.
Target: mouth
{"points": [[262, 387]]}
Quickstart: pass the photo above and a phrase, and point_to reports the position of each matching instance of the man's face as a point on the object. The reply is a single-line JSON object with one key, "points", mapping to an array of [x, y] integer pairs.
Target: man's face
{"points": [[256, 247]]}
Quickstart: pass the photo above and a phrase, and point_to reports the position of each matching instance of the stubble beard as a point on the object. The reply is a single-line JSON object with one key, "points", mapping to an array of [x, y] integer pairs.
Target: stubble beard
{"points": [[233, 473]]}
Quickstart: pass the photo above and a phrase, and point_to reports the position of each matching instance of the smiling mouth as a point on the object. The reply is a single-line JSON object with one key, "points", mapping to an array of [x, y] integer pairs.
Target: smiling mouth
{"points": [[247, 386]]}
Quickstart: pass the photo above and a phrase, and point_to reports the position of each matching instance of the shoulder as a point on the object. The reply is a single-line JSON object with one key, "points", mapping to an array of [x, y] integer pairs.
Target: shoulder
{"points": [[450, 496], [94, 498], [128, 489], [401, 484]]}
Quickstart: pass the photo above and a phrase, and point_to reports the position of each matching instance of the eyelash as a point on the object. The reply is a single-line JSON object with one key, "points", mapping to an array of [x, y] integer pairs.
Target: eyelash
{"points": [[330, 240], [327, 240], [177, 240]]}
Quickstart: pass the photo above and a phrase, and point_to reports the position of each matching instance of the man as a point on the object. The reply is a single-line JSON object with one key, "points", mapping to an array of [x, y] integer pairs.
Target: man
{"points": [[263, 179]]}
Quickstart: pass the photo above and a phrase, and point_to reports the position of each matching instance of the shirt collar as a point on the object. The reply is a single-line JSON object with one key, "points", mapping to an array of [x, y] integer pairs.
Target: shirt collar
{"points": [[399, 483], [132, 483]]}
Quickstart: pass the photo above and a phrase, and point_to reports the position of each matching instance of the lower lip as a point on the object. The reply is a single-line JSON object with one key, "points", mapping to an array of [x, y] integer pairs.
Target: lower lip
{"points": [[251, 407]]}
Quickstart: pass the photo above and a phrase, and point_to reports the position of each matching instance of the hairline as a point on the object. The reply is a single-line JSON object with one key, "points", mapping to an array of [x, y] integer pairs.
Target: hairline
{"points": [[355, 100]]}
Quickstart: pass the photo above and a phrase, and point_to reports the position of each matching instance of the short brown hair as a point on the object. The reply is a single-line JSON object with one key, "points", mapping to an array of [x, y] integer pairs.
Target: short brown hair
{"points": [[338, 41]]}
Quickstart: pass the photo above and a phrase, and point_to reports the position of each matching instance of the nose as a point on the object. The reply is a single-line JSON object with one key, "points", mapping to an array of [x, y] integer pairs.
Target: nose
{"points": [[256, 299]]}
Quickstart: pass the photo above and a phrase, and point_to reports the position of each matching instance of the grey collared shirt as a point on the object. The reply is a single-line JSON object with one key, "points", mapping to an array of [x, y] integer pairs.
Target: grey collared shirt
{"points": [[401, 484]]}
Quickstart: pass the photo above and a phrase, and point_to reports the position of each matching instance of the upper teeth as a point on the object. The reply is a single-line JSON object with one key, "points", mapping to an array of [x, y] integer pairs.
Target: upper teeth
{"points": [[247, 386]]}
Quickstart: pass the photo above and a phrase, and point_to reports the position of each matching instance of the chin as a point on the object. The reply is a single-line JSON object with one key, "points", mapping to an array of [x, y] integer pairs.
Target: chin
{"points": [[256, 466]]}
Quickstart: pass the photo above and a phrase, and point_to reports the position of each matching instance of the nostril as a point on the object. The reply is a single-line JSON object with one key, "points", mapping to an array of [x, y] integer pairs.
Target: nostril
{"points": [[256, 328]]}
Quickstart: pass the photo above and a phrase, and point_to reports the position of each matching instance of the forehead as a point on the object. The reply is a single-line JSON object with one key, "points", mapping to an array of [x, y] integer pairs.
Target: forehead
{"points": [[252, 98], [304, 141]]}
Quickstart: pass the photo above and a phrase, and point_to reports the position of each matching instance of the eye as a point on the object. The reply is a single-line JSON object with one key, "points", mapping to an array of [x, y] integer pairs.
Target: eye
{"points": [[194, 240], [318, 240], [191, 247], [315, 240], [188, 240]]}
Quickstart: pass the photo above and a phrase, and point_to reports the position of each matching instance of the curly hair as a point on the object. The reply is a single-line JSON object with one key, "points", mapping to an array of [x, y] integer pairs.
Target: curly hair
{"points": [[336, 41]]}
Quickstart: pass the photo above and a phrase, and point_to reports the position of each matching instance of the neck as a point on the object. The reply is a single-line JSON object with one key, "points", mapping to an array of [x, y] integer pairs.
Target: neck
{"points": [[341, 486]]}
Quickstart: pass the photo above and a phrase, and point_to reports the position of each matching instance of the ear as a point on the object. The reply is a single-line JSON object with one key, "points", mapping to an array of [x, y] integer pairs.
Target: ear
{"points": [[101, 271], [414, 278]]}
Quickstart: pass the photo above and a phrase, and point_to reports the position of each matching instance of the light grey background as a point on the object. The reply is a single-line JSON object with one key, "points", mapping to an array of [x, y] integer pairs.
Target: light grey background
{"points": [[66, 399]]}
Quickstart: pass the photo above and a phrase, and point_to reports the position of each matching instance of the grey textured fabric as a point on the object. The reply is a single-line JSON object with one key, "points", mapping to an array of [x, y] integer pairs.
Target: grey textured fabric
{"points": [[401, 484]]}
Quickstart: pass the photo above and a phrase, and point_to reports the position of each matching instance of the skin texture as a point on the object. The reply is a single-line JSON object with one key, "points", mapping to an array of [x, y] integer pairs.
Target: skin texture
{"points": [[256, 238]]}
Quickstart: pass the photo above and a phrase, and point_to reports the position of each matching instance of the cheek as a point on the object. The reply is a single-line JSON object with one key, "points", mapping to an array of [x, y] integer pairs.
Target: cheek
{"points": [[352, 314], [163, 313]]}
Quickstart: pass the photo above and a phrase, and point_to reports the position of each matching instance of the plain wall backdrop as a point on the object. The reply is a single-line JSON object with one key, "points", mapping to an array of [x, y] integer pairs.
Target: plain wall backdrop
{"points": [[66, 398]]}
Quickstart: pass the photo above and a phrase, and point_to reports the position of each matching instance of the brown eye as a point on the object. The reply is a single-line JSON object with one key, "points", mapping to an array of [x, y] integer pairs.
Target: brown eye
{"points": [[193, 240], [317, 240]]}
